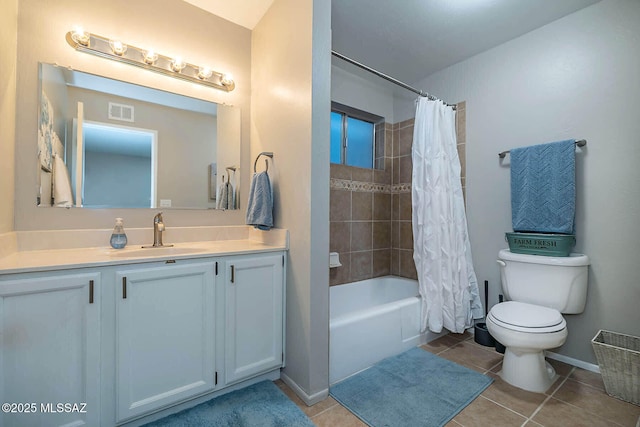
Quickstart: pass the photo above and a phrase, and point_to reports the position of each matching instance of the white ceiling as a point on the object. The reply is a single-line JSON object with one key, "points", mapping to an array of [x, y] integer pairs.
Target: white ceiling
{"points": [[242, 12], [412, 39]]}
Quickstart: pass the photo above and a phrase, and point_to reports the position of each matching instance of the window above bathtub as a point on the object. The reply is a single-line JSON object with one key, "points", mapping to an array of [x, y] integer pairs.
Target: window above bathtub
{"points": [[357, 137]]}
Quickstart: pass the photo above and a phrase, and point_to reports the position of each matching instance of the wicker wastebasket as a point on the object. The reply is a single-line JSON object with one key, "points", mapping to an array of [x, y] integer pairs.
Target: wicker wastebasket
{"points": [[619, 360]]}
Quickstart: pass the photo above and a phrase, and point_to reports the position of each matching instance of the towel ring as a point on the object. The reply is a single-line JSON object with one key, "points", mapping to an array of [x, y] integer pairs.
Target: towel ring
{"points": [[266, 162], [229, 168]]}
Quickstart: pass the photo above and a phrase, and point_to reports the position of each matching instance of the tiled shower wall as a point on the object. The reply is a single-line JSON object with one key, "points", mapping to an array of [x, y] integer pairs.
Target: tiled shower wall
{"points": [[360, 216], [370, 212]]}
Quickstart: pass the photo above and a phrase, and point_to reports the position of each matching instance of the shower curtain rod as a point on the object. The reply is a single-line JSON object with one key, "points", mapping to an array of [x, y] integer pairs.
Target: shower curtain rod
{"points": [[387, 77]]}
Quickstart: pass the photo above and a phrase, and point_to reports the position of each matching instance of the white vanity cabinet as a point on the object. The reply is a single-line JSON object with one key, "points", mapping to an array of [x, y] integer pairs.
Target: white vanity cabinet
{"points": [[125, 338], [50, 349], [254, 307], [165, 335]]}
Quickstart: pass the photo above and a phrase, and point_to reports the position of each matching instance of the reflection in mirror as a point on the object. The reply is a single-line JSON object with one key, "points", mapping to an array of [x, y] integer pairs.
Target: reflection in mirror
{"points": [[104, 143]]}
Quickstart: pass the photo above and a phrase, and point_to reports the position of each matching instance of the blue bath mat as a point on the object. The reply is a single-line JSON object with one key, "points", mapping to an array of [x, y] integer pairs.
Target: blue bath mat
{"points": [[261, 404], [415, 388]]}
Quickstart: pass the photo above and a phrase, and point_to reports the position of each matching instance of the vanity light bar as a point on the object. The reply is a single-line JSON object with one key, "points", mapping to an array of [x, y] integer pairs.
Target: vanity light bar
{"points": [[148, 59]]}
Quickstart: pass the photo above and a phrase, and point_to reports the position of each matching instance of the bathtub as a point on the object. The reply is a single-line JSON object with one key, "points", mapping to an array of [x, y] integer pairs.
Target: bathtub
{"points": [[371, 320]]}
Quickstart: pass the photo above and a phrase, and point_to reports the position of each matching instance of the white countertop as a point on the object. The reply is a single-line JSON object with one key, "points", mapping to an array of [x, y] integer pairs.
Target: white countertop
{"points": [[23, 261]]}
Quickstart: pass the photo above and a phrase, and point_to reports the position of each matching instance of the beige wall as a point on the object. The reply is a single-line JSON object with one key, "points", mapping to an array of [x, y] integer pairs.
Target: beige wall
{"points": [[207, 40], [290, 116], [8, 52]]}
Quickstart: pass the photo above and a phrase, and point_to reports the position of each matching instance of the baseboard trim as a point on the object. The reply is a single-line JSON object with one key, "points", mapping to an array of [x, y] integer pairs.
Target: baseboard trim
{"points": [[308, 399], [573, 362]]}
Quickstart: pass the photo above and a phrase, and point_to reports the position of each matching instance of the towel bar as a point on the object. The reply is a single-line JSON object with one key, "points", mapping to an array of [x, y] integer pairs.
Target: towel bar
{"points": [[580, 143], [266, 162]]}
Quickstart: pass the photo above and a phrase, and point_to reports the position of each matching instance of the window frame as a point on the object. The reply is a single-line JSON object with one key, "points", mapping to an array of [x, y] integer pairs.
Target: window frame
{"points": [[346, 111]]}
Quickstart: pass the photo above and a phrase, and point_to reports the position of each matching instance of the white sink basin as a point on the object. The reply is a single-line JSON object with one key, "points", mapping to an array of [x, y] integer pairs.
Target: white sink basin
{"points": [[154, 252]]}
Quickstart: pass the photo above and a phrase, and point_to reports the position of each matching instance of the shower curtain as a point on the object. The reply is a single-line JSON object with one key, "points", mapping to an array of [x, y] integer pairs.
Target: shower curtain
{"points": [[441, 249]]}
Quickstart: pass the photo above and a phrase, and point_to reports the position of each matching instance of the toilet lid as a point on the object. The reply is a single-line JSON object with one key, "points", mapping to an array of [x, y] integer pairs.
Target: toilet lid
{"points": [[520, 316]]}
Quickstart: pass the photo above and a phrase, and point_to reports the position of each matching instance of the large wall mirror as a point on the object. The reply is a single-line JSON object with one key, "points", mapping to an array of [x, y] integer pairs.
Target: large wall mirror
{"points": [[105, 143]]}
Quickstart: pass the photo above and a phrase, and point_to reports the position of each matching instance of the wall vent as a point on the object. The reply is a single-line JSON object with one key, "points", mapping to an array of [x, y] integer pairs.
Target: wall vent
{"points": [[121, 112]]}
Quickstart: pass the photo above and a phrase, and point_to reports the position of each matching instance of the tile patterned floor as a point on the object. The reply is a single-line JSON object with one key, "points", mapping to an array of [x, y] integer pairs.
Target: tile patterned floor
{"points": [[577, 398]]}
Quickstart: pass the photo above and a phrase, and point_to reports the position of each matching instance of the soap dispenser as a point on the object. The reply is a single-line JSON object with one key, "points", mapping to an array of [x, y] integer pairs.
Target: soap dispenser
{"points": [[118, 238]]}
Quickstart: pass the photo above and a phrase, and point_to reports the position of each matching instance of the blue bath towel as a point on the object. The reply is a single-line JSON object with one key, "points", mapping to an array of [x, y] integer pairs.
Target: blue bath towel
{"points": [[543, 188], [260, 207]]}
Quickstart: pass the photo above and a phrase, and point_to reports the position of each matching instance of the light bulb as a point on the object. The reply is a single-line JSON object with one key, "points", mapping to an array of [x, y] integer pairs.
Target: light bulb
{"points": [[204, 73], [177, 64], [226, 79], [117, 47], [150, 57], [80, 36]]}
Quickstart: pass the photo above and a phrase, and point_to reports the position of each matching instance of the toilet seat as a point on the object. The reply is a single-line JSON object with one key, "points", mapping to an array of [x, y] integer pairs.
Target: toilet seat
{"points": [[523, 317]]}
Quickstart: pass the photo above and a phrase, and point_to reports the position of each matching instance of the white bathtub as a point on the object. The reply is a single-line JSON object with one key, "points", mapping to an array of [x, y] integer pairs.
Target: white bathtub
{"points": [[371, 320]]}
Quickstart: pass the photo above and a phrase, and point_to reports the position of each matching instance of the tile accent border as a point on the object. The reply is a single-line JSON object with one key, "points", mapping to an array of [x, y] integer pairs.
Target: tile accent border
{"points": [[360, 186], [401, 188], [368, 187]]}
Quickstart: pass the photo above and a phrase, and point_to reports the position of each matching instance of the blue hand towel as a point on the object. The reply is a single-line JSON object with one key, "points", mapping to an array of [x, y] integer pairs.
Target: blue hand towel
{"points": [[223, 196], [543, 188], [231, 201], [260, 206]]}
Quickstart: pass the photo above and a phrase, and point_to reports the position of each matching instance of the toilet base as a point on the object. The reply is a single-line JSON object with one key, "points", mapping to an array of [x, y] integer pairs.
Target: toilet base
{"points": [[527, 370]]}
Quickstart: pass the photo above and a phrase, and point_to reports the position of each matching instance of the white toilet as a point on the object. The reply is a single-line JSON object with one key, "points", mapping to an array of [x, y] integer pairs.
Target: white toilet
{"points": [[537, 288]]}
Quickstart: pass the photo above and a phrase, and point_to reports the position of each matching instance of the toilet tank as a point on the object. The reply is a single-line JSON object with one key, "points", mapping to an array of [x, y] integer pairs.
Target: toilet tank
{"points": [[556, 282]]}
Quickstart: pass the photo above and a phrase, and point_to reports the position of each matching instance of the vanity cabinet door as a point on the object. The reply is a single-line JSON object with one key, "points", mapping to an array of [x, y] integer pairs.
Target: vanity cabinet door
{"points": [[254, 315], [165, 336], [50, 350]]}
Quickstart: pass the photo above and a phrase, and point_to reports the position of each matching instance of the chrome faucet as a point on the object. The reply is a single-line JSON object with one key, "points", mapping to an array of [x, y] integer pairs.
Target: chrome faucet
{"points": [[158, 228]]}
